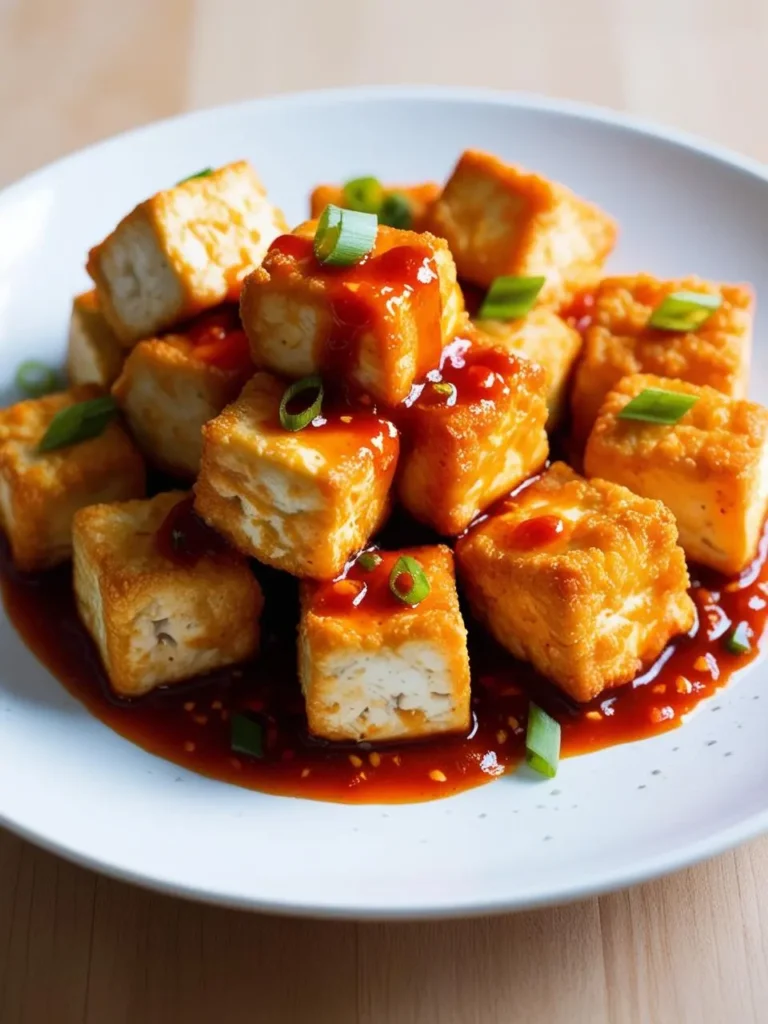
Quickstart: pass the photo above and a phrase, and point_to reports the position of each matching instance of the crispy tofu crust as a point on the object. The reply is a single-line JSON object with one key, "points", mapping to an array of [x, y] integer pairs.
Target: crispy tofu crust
{"points": [[94, 354], [458, 459], [287, 310], [184, 250], [546, 339], [392, 671], [304, 501], [40, 493], [154, 621], [619, 342], [499, 218], [168, 395], [598, 602], [710, 469], [420, 197]]}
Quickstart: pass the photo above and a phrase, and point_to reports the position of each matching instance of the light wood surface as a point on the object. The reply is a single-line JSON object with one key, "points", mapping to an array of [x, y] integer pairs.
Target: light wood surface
{"points": [[77, 947]]}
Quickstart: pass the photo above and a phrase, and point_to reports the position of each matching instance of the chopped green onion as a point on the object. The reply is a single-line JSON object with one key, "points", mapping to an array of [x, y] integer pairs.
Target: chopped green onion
{"points": [[443, 387], [78, 423], [369, 560], [344, 237], [206, 171], [363, 194], [408, 581], [299, 420], [738, 641], [510, 297], [35, 379], [246, 736], [396, 211], [542, 742], [654, 405], [684, 311]]}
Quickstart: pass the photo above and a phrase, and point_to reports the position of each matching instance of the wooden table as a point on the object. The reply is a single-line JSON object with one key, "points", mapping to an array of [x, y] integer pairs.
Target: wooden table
{"points": [[77, 947]]}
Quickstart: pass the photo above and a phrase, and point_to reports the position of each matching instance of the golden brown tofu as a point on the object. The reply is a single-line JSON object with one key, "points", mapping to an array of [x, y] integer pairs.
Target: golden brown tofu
{"points": [[710, 468], [159, 611], [302, 501], [619, 342], [499, 218], [185, 250], [379, 325], [583, 579], [94, 353], [420, 199], [374, 668], [545, 338], [471, 436], [41, 491], [171, 387]]}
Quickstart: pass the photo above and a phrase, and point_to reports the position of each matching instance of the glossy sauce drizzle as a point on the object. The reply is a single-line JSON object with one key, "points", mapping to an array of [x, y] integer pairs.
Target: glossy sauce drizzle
{"points": [[189, 724]]}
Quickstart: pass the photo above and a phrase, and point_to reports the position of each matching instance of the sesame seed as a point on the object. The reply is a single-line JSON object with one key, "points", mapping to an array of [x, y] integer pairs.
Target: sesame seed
{"points": [[501, 736], [362, 776], [189, 746], [356, 761], [200, 719], [305, 772], [701, 664], [216, 705], [659, 688], [683, 685], [189, 705], [397, 760], [345, 419], [437, 776], [375, 759], [512, 722], [659, 715], [594, 716]]}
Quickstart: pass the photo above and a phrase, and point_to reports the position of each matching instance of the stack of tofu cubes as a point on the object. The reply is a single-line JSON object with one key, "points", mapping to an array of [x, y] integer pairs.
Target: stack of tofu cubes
{"points": [[583, 576]]}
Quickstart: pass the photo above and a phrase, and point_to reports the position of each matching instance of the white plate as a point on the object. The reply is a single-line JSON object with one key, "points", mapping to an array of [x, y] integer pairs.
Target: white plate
{"points": [[609, 819]]}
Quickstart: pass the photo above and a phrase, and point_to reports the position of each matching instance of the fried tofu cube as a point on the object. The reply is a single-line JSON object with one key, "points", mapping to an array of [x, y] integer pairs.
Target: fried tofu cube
{"points": [[40, 492], [585, 580], [373, 668], [171, 387], [301, 501], [619, 342], [545, 338], [420, 199], [499, 218], [472, 436], [158, 619], [184, 250], [710, 468], [94, 353], [379, 325]]}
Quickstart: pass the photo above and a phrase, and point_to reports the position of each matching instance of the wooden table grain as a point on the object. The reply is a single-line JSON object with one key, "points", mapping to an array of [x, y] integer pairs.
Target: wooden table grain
{"points": [[78, 947]]}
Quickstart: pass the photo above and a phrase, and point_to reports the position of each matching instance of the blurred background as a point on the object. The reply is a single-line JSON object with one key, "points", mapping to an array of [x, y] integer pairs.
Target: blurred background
{"points": [[77, 947], [73, 71]]}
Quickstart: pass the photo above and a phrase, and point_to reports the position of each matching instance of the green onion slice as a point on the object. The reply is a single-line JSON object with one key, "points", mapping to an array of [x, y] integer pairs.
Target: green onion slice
{"points": [[299, 420], [344, 237], [246, 736], [78, 423], [408, 581], [396, 211], [542, 742], [206, 171], [654, 405], [369, 560], [35, 379], [684, 311], [738, 641], [444, 387], [510, 297], [363, 194]]}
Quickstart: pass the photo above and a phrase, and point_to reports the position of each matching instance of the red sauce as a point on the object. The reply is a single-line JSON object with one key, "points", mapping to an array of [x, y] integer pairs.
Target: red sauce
{"points": [[219, 339], [579, 313], [189, 724], [467, 376], [536, 533], [184, 538], [366, 296]]}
